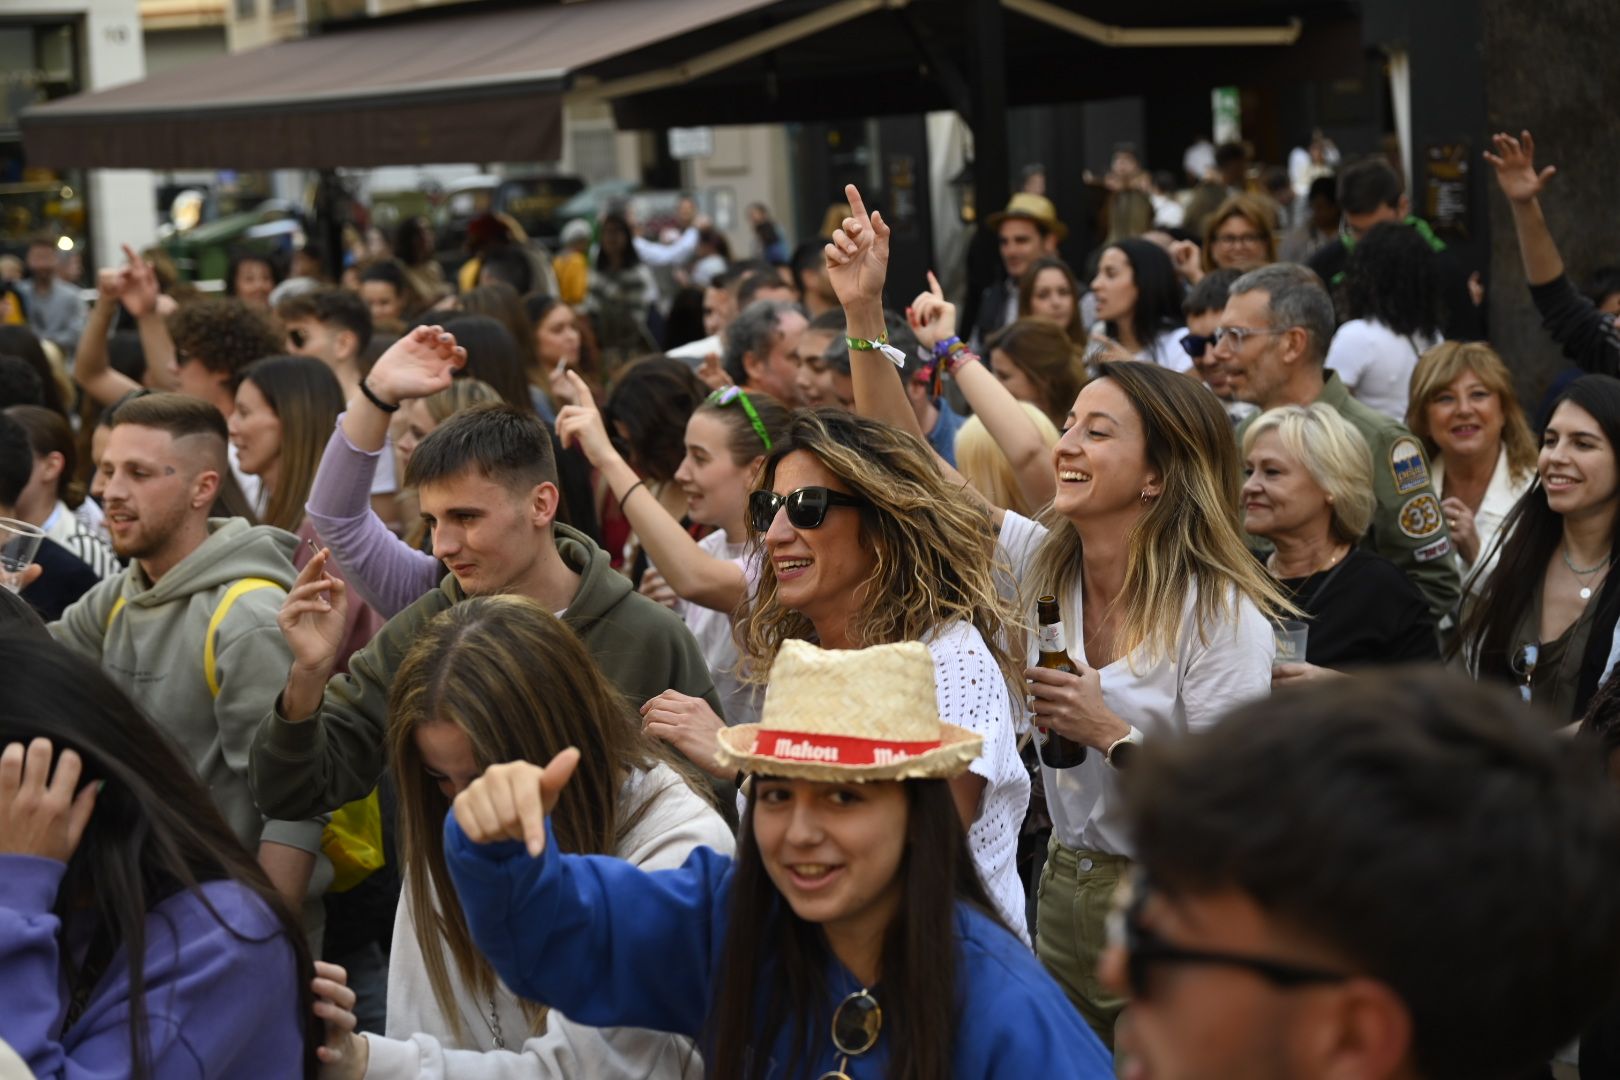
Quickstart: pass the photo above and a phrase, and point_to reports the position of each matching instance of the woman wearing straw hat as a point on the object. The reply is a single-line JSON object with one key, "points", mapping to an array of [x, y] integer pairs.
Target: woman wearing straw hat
{"points": [[849, 938], [1163, 606]]}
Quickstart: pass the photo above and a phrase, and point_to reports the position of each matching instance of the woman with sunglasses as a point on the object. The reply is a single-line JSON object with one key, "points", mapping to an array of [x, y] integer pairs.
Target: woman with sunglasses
{"points": [[1545, 618], [1164, 608], [706, 580], [850, 937]]}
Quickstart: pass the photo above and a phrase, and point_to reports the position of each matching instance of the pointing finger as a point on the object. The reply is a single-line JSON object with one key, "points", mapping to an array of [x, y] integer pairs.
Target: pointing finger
{"points": [[857, 208], [933, 286]]}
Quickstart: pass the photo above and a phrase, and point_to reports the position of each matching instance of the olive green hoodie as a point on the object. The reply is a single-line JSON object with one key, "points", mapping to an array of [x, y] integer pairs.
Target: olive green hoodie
{"points": [[150, 638], [336, 756]]}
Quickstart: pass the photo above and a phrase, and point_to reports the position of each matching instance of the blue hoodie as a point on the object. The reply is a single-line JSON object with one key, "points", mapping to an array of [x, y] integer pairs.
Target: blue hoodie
{"points": [[216, 1005], [612, 945]]}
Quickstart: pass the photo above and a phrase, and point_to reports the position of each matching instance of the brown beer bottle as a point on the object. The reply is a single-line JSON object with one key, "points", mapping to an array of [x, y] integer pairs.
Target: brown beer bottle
{"points": [[1057, 751]]}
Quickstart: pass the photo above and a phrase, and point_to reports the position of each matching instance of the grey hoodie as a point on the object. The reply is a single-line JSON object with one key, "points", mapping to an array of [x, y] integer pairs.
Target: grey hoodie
{"points": [[152, 647]]}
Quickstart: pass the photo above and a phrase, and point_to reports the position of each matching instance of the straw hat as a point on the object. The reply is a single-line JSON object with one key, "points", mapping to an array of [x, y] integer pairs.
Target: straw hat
{"points": [[1031, 207], [850, 715]]}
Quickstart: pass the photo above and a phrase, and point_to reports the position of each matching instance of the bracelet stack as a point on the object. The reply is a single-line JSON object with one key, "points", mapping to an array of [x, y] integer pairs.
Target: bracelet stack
{"points": [[952, 353]]}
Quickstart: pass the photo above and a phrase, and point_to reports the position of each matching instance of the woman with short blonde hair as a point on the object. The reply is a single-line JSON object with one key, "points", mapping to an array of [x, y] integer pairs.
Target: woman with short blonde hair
{"points": [[1309, 492], [1482, 453]]}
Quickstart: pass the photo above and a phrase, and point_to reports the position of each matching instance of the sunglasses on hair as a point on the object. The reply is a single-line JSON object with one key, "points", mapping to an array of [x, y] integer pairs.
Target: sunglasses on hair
{"points": [[806, 507], [1197, 344], [1145, 950], [855, 1026], [727, 395]]}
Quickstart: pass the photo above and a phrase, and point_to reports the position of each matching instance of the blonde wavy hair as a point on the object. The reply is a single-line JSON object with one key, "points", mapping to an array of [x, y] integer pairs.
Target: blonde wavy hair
{"points": [[1334, 454], [1188, 539], [1439, 368], [980, 459], [521, 686], [936, 548]]}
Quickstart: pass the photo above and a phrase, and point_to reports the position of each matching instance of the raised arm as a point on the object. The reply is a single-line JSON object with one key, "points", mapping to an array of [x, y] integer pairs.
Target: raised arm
{"points": [[693, 573], [934, 320], [1515, 162], [144, 299], [92, 369], [857, 265]]}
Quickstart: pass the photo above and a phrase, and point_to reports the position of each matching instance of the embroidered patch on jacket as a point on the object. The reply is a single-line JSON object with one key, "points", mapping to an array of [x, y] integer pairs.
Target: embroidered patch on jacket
{"points": [[1420, 516], [1430, 552], [1406, 466]]}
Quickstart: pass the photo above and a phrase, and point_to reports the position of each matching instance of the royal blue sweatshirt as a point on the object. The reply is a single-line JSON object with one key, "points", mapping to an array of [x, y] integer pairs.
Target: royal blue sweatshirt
{"points": [[216, 1006], [612, 945]]}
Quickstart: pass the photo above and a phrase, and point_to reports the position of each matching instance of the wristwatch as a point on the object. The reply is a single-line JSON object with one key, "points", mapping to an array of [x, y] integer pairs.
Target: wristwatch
{"points": [[1123, 750]]}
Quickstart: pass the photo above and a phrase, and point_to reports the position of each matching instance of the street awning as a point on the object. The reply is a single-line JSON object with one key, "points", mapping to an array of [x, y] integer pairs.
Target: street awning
{"points": [[463, 85]]}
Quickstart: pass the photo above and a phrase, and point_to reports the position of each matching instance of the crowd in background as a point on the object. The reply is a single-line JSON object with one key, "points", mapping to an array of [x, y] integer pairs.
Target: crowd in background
{"points": [[639, 659]]}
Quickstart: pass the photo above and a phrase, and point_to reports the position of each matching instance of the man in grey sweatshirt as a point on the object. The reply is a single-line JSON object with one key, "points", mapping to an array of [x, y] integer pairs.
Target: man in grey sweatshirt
{"points": [[188, 631]]}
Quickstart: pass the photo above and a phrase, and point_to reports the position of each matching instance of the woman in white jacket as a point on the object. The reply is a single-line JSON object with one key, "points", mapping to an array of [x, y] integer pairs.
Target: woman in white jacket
{"points": [[497, 679]]}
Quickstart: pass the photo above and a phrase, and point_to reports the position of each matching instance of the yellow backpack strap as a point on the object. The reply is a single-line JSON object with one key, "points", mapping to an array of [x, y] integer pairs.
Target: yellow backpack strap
{"points": [[118, 605], [232, 594]]}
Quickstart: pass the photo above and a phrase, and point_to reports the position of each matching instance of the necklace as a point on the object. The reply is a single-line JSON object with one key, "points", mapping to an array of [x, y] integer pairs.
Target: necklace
{"points": [[1586, 586], [494, 1025], [1271, 562]]}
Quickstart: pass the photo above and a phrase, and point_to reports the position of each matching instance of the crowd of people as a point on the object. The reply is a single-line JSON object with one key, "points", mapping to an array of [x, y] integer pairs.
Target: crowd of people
{"points": [[1195, 666]]}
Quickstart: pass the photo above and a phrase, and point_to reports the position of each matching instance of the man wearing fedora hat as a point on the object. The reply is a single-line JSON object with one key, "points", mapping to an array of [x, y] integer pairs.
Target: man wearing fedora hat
{"points": [[1027, 229]]}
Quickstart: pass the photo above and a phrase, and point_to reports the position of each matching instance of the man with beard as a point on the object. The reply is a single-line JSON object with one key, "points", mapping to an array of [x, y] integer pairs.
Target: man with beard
{"points": [[55, 310], [188, 631]]}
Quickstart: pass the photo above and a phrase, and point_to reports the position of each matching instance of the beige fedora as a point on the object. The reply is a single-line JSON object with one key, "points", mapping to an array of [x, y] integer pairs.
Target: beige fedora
{"points": [[1031, 207], [850, 715]]}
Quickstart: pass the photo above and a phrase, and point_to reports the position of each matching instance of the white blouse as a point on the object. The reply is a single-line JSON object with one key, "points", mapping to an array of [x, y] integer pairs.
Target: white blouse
{"points": [[1188, 691], [1501, 495]]}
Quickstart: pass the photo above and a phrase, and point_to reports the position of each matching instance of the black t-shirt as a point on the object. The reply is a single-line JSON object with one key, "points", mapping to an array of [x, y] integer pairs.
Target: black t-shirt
{"points": [[66, 578], [1364, 611]]}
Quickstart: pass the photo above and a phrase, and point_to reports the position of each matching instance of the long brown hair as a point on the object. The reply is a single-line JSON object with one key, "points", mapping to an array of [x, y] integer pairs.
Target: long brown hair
{"points": [[155, 833], [1075, 329], [774, 964], [307, 398], [501, 302], [1047, 357], [1188, 538], [521, 686], [936, 551]]}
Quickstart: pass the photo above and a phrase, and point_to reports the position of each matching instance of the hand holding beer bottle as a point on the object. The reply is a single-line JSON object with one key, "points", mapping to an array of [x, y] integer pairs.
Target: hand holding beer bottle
{"points": [[1057, 751]]}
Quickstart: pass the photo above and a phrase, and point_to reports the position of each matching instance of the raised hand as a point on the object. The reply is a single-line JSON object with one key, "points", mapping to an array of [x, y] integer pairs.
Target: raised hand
{"points": [[344, 1054], [511, 801], [713, 373], [140, 287], [420, 364], [932, 317], [582, 424], [110, 283], [689, 725], [311, 619], [40, 813], [858, 257], [1515, 162], [1187, 258]]}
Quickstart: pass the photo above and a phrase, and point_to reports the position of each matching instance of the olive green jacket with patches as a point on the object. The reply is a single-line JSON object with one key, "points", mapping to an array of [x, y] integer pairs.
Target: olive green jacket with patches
{"points": [[1408, 528]]}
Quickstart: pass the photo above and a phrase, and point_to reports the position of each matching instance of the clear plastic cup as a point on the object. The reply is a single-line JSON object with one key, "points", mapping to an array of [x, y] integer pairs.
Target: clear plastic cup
{"points": [[1291, 636], [19, 543]]}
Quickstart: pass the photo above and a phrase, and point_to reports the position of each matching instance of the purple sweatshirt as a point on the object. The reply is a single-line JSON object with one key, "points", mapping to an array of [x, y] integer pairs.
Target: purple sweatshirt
{"points": [[216, 1005], [388, 573]]}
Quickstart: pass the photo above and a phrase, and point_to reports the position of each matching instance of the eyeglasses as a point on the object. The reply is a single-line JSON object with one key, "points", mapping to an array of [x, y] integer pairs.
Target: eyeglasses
{"points": [[725, 396], [1197, 344], [1237, 335], [1524, 666], [1144, 949], [1240, 240], [806, 507], [855, 1026]]}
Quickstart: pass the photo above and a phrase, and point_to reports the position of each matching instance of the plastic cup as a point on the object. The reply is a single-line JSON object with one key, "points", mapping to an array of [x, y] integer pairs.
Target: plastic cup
{"points": [[19, 543], [1291, 635]]}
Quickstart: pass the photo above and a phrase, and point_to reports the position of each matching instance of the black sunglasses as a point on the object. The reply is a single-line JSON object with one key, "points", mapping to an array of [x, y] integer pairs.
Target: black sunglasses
{"points": [[806, 507], [1144, 949], [1197, 344], [855, 1027]]}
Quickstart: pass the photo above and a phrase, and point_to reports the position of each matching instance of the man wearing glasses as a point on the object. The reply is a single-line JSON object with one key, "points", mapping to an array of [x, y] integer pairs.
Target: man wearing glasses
{"points": [[1400, 877], [1272, 340]]}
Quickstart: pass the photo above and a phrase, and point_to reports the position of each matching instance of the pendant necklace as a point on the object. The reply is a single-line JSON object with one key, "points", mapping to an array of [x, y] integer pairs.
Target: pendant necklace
{"points": [[1586, 585]]}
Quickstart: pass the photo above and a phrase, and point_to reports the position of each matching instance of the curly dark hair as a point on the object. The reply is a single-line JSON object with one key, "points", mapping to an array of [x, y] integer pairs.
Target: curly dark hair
{"points": [[223, 335], [1393, 277]]}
